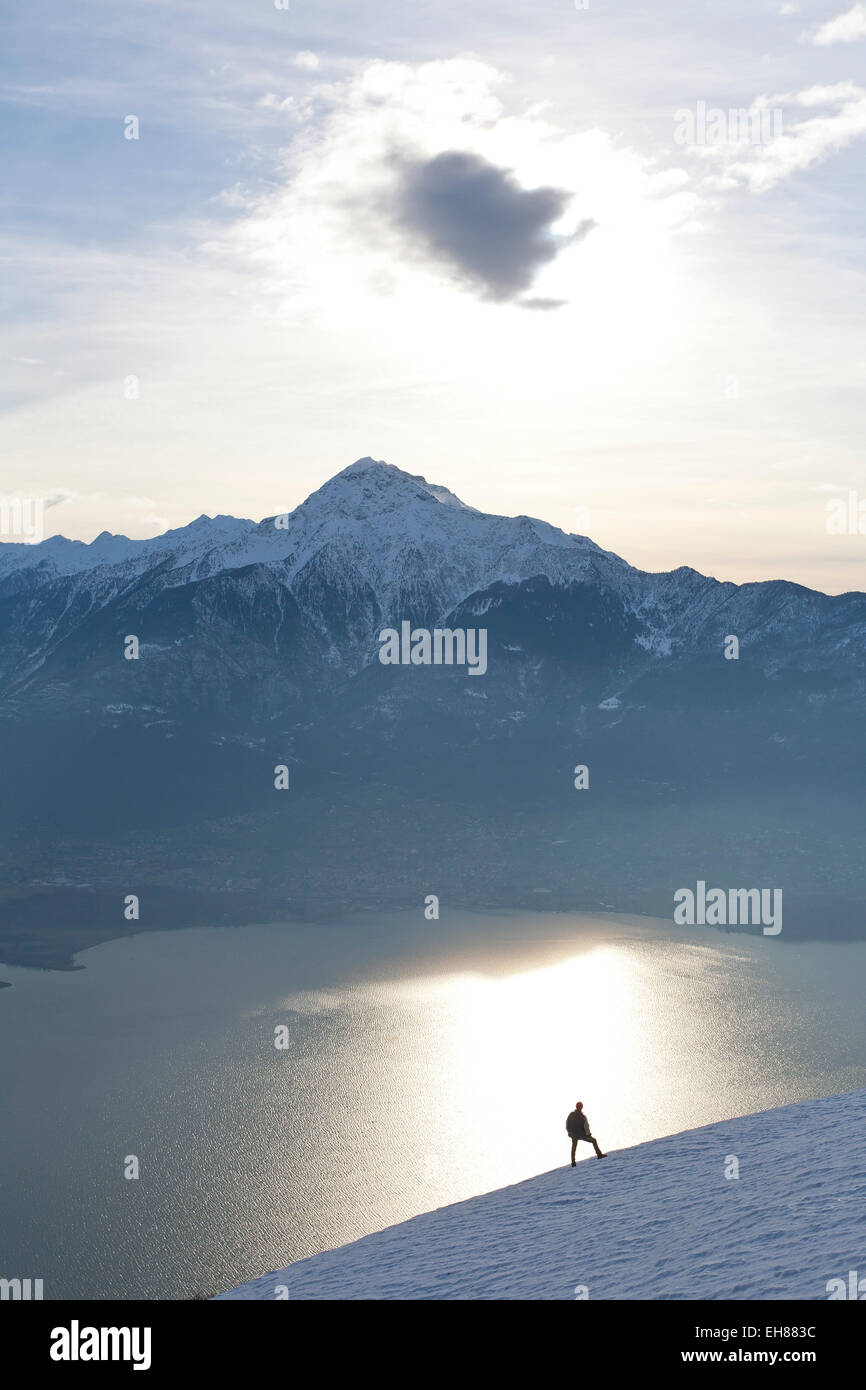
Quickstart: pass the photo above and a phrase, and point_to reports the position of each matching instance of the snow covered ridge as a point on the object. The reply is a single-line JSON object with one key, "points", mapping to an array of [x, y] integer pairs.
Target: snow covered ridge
{"points": [[364, 503], [310, 591], [385, 528], [378, 536], [767, 1206]]}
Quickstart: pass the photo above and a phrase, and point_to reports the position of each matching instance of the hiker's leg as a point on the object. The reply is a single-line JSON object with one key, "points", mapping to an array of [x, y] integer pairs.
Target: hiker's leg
{"points": [[598, 1152], [573, 1150]]}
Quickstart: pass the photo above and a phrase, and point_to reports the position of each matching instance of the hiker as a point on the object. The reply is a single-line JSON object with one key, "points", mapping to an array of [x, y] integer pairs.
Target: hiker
{"points": [[578, 1128]]}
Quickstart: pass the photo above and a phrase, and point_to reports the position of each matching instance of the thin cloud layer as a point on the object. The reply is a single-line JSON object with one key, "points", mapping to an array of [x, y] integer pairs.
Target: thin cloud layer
{"points": [[839, 119], [478, 219], [845, 28]]}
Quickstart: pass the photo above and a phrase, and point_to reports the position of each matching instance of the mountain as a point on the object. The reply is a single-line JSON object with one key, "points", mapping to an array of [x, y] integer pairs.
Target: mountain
{"points": [[603, 1230], [259, 647], [372, 546]]}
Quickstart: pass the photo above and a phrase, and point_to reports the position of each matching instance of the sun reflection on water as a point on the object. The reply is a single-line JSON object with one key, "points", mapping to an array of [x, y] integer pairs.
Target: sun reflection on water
{"points": [[518, 1051], [447, 1085]]}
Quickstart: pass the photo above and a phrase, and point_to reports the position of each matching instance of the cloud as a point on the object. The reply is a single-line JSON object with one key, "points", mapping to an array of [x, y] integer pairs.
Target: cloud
{"points": [[478, 219], [802, 142], [296, 107], [539, 302], [306, 60], [845, 28], [416, 191], [58, 497]]}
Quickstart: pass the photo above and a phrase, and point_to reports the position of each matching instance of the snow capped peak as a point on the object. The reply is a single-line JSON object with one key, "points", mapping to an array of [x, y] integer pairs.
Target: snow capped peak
{"points": [[384, 477], [396, 535], [362, 466]]}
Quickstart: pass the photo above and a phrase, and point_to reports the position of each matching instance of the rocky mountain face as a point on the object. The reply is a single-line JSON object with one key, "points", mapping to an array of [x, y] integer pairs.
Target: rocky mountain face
{"points": [[258, 646]]}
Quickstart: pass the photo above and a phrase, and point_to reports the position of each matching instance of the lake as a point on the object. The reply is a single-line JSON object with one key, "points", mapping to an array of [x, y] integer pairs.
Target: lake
{"points": [[425, 1062]]}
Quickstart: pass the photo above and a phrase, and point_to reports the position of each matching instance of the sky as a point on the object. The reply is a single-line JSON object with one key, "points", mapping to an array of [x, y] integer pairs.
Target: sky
{"points": [[599, 263]]}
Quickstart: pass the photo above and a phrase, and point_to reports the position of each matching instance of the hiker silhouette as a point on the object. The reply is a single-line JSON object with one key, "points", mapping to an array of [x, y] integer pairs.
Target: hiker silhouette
{"points": [[577, 1126]]}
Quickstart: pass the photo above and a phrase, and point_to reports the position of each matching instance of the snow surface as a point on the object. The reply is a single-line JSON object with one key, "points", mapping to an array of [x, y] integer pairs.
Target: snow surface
{"points": [[659, 1220]]}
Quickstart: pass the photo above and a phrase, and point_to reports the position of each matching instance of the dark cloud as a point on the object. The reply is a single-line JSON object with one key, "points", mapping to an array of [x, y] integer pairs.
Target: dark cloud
{"points": [[477, 218], [538, 303]]}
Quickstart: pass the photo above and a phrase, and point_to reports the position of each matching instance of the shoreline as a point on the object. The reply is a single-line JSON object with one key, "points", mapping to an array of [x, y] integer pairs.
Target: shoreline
{"points": [[48, 929]]}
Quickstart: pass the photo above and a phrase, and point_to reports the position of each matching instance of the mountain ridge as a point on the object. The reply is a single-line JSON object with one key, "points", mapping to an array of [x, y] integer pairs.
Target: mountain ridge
{"points": [[392, 541], [261, 650]]}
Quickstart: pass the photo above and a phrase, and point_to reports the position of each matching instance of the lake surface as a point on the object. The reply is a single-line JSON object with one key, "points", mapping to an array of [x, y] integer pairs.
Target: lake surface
{"points": [[426, 1062]]}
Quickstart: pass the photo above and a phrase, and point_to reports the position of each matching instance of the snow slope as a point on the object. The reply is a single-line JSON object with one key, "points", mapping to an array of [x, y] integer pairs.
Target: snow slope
{"points": [[660, 1220]]}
